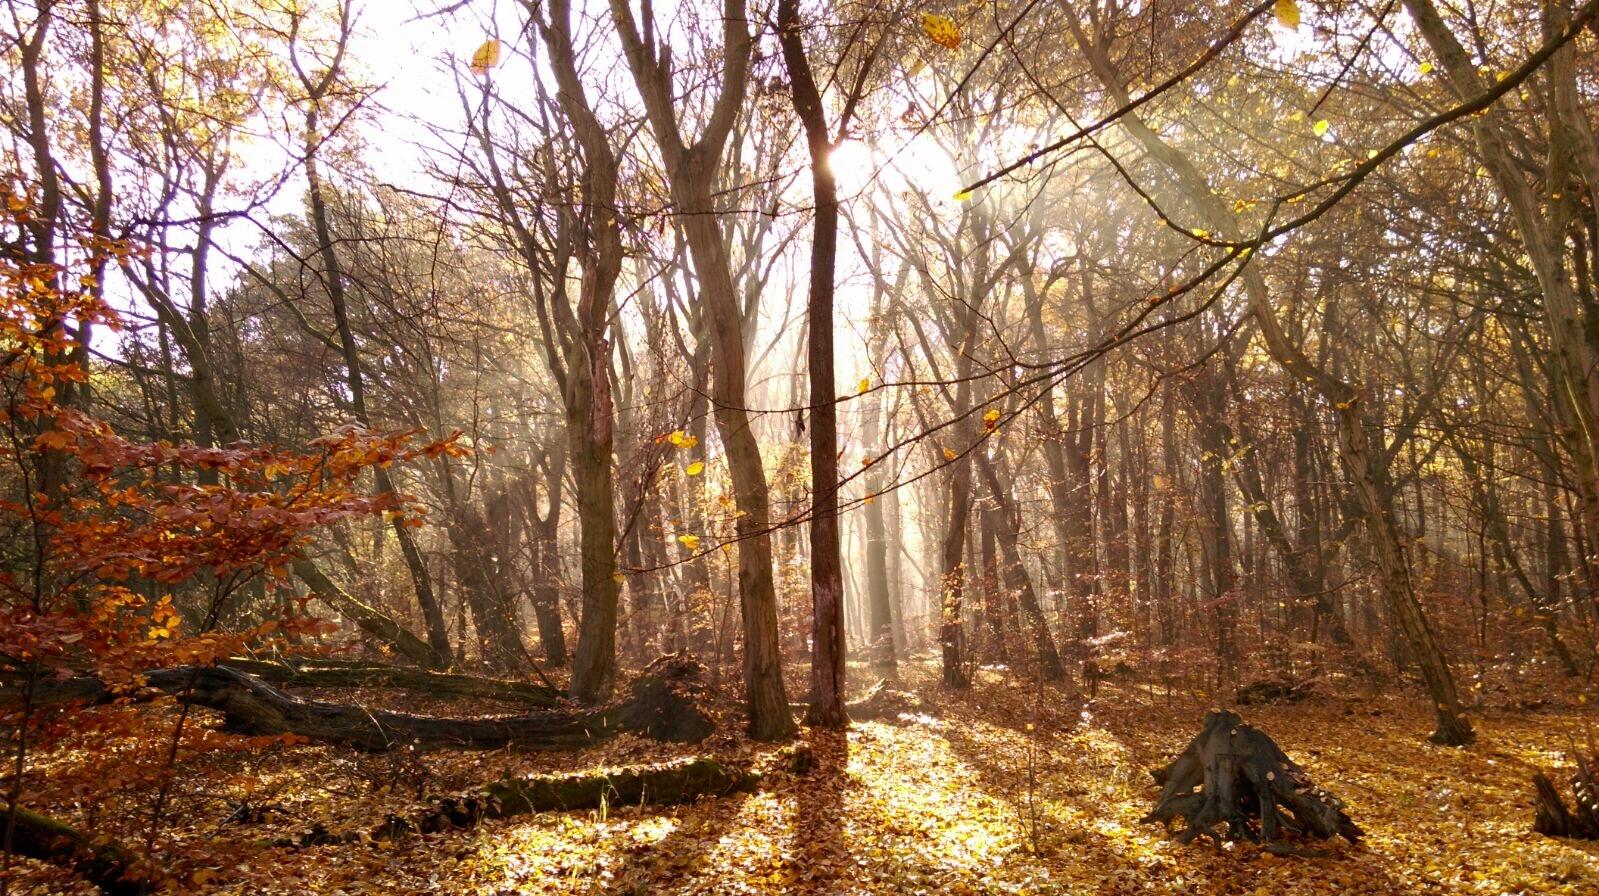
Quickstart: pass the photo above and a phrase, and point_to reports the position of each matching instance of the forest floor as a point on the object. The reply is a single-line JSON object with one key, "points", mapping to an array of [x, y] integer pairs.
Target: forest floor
{"points": [[997, 790]]}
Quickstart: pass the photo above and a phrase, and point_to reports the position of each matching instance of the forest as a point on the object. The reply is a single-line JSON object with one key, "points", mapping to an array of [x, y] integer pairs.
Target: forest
{"points": [[799, 446]]}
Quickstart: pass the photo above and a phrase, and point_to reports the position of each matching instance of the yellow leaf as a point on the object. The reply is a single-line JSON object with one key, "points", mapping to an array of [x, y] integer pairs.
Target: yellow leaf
{"points": [[864, 386], [695, 468], [677, 438], [692, 542], [1287, 13], [486, 57], [963, 195], [950, 455], [1320, 127], [991, 419], [1425, 68], [942, 30]]}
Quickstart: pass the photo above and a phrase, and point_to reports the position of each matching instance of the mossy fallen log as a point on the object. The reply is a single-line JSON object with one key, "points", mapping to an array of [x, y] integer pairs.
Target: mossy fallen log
{"points": [[48, 691], [317, 674], [1235, 775], [663, 703], [111, 867], [661, 784]]}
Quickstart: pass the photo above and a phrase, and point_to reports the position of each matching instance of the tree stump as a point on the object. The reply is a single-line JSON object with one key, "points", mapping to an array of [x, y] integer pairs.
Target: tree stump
{"points": [[1550, 815], [1234, 774]]}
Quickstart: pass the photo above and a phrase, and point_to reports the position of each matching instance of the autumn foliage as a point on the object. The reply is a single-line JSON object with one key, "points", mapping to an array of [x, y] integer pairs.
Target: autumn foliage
{"points": [[118, 556]]}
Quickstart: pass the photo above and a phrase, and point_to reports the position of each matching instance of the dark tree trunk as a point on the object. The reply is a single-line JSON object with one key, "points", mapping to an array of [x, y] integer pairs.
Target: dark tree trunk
{"points": [[827, 577]]}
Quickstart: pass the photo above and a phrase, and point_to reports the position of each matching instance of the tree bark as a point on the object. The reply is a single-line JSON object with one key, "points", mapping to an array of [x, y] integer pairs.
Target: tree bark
{"points": [[827, 576], [691, 170]]}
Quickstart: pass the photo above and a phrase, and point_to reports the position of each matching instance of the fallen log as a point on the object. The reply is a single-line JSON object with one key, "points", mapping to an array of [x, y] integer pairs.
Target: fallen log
{"points": [[316, 674], [1272, 691], [662, 703], [662, 784], [1235, 774], [50, 690], [878, 702], [1550, 815], [106, 864]]}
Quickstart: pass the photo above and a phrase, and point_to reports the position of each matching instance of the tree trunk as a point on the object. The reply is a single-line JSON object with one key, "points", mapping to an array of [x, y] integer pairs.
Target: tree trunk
{"points": [[1355, 444], [691, 170], [370, 620], [827, 576], [333, 282], [1016, 576]]}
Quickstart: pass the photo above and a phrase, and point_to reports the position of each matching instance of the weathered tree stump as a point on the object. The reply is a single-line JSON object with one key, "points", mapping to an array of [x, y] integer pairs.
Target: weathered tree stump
{"points": [[1550, 815], [1236, 775]]}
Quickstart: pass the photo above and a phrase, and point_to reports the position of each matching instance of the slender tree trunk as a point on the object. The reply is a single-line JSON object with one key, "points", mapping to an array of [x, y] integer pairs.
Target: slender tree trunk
{"points": [[1356, 450], [827, 579], [333, 281], [1016, 577]]}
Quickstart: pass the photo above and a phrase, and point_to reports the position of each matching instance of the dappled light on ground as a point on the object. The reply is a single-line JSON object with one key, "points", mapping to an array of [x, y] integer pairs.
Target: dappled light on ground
{"points": [[937, 802]]}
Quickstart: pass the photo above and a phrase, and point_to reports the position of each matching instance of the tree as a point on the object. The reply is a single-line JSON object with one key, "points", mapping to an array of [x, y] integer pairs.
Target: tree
{"points": [[690, 168]]}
